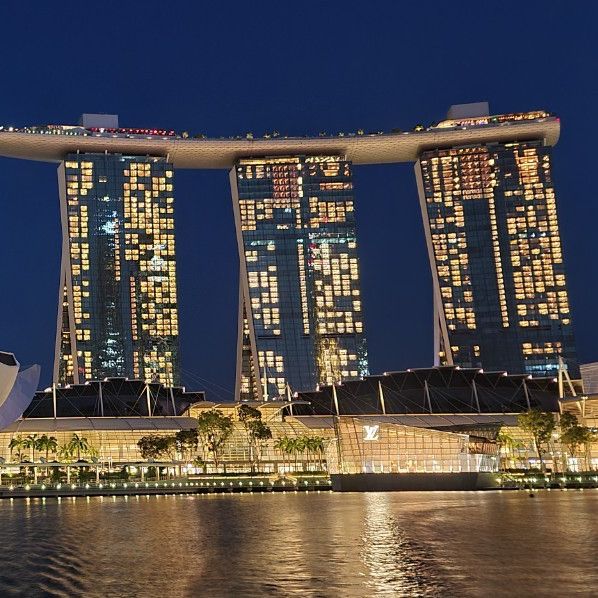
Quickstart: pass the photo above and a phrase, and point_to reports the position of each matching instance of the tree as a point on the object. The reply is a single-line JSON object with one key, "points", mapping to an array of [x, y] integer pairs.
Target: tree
{"points": [[319, 447], [16, 442], [281, 446], [255, 430], [300, 444], [568, 420], [214, 429], [31, 442], [308, 444], [149, 446], [314, 445], [186, 441], [259, 432], [508, 444], [292, 447], [168, 445], [199, 463], [78, 444], [573, 435], [540, 426], [288, 447], [49, 444], [246, 413], [64, 451], [154, 446]]}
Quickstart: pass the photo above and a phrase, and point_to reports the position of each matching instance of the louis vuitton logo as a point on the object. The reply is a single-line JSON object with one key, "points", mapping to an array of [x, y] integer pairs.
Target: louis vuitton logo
{"points": [[371, 432]]}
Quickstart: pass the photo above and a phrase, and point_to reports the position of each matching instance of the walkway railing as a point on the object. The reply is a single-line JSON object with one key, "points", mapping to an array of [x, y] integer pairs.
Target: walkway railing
{"points": [[205, 485]]}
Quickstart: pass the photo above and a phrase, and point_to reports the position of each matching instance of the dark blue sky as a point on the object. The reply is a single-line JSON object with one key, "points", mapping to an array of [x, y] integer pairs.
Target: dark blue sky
{"points": [[228, 68]]}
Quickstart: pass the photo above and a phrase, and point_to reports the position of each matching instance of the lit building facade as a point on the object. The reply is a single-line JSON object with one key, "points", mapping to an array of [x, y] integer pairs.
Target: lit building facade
{"points": [[118, 297], [500, 293], [300, 309], [489, 211], [379, 445]]}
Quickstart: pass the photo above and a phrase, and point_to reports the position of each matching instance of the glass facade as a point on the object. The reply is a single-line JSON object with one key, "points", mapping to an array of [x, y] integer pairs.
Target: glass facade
{"points": [[491, 222], [300, 313], [118, 313], [374, 446]]}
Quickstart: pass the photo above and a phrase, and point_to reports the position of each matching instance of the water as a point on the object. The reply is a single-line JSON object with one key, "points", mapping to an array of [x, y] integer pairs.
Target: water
{"points": [[387, 544]]}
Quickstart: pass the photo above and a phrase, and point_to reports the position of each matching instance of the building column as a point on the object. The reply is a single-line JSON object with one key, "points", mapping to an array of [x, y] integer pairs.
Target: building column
{"points": [[244, 304], [441, 336]]}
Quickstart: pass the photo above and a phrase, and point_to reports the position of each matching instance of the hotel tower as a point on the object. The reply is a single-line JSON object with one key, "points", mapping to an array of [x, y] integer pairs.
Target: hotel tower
{"points": [[300, 310], [490, 216], [118, 313], [489, 210]]}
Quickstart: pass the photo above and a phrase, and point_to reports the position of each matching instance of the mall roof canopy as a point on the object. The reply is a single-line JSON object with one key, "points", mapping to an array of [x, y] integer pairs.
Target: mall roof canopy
{"points": [[440, 421], [48, 425], [112, 397], [429, 391]]}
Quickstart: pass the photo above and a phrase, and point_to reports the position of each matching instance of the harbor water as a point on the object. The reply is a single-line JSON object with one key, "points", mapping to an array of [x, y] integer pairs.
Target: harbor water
{"points": [[303, 544]]}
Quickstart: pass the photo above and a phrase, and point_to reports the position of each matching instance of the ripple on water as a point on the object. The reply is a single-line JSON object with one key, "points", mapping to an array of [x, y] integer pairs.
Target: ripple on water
{"points": [[396, 544]]}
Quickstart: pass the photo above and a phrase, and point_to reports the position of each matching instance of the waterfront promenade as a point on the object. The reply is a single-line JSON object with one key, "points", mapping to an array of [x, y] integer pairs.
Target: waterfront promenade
{"points": [[218, 484], [191, 485]]}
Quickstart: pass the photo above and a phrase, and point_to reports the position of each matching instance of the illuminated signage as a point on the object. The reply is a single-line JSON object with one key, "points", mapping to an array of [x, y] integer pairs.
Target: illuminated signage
{"points": [[371, 432]]}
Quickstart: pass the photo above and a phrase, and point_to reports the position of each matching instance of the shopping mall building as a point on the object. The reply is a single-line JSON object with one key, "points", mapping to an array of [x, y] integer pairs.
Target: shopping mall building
{"points": [[426, 421]]}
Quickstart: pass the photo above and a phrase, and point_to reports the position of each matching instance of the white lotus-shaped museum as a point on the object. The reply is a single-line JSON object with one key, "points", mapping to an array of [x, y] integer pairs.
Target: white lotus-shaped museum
{"points": [[17, 388]]}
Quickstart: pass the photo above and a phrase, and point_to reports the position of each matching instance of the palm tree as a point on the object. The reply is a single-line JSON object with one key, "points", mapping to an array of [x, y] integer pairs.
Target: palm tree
{"points": [[16, 442], [300, 444], [48, 444], [307, 448], [31, 442], [288, 446], [315, 445], [281, 445], [93, 452], [64, 451], [319, 446], [78, 444], [291, 449]]}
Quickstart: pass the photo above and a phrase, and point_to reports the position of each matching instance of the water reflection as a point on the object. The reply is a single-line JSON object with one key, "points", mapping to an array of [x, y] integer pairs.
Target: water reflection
{"points": [[320, 545], [397, 564]]}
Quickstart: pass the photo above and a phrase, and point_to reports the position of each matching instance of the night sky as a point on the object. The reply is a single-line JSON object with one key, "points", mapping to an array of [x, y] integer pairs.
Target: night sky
{"points": [[300, 68]]}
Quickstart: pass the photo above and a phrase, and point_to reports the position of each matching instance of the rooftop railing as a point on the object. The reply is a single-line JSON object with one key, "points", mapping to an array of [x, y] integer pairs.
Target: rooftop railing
{"points": [[165, 134]]}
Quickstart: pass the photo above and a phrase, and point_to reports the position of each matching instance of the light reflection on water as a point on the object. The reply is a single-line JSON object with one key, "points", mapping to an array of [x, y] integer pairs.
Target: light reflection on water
{"points": [[397, 564], [391, 544]]}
